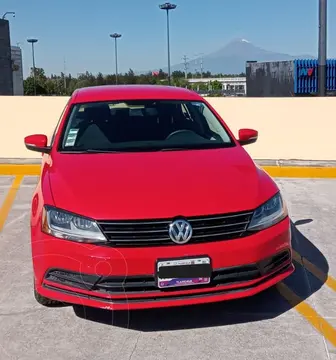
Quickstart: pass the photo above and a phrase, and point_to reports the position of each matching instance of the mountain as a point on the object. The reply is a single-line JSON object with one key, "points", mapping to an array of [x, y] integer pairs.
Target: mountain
{"points": [[231, 59]]}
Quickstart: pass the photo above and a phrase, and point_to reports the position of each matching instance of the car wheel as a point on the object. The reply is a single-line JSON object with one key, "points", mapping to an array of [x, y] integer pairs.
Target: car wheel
{"points": [[45, 301]]}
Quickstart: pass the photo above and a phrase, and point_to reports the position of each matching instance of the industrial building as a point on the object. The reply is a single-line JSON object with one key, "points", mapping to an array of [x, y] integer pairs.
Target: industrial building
{"points": [[287, 78], [6, 78], [17, 71], [11, 72]]}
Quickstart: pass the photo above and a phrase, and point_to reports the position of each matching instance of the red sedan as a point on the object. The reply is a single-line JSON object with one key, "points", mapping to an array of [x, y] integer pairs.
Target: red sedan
{"points": [[146, 199]]}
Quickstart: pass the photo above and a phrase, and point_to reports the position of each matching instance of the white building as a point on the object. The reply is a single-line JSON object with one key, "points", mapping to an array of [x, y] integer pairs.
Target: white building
{"points": [[16, 55], [236, 84]]}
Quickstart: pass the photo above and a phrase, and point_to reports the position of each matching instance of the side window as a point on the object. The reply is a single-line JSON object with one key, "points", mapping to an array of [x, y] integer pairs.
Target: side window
{"points": [[57, 125]]}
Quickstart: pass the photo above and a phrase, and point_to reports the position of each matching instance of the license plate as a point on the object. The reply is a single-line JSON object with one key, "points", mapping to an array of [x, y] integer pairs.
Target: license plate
{"points": [[183, 272]]}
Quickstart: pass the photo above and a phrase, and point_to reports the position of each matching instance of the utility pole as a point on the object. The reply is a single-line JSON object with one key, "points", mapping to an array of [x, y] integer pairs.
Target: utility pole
{"points": [[322, 48], [168, 7], [116, 36], [65, 84], [32, 42], [186, 66], [200, 58], [8, 13]]}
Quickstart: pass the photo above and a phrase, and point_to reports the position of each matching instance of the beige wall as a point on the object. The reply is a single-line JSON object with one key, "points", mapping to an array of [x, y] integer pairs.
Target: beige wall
{"points": [[289, 128]]}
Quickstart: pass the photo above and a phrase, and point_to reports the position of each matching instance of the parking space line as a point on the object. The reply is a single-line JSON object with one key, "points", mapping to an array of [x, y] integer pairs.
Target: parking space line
{"points": [[8, 202], [20, 169], [300, 171], [324, 278], [274, 171], [316, 320]]}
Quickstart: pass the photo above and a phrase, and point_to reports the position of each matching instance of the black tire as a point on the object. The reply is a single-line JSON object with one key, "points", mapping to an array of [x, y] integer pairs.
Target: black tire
{"points": [[46, 301]]}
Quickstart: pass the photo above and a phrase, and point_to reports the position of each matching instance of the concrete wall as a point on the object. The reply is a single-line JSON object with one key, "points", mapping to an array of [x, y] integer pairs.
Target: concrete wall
{"points": [[289, 128], [270, 79]]}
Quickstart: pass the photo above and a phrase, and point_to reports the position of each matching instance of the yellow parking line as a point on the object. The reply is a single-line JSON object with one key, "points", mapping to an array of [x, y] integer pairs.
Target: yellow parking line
{"points": [[7, 204], [323, 277], [274, 171], [317, 321], [300, 171], [20, 169]]}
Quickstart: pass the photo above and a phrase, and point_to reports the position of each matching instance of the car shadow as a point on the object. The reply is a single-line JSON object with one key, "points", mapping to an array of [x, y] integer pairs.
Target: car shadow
{"points": [[266, 305]]}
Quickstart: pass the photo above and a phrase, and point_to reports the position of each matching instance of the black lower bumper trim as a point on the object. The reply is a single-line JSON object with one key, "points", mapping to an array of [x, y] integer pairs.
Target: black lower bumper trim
{"points": [[146, 284], [208, 293]]}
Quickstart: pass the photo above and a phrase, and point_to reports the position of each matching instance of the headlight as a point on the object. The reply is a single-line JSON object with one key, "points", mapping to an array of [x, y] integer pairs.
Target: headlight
{"points": [[268, 214], [67, 226]]}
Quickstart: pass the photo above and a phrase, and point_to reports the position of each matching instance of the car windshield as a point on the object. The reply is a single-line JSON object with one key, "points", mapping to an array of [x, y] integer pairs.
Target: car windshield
{"points": [[143, 125]]}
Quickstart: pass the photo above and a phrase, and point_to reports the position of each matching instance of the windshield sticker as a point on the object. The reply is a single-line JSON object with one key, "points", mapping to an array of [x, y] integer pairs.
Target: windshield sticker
{"points": [[71, 139]]}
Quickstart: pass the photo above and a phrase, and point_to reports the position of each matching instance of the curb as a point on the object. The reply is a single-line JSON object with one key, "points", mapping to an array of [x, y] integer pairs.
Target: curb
{"points": [[275, 168]]}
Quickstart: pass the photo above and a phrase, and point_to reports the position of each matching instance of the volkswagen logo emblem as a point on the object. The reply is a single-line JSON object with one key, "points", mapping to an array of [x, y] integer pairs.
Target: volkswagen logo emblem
{"points": [[180, 231]]}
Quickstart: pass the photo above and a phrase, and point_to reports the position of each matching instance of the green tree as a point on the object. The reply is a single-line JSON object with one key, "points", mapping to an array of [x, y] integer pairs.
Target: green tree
{"points": [[100, 79], [130, 78], [66, 85], [28, 87], [216, 85]]}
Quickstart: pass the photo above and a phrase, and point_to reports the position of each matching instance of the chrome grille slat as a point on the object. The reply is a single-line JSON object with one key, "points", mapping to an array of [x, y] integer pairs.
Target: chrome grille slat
{"points": [[123, 222], [219, 234], [220, 217], [155, 232], [137, 240], [137, 231], [218, 226]]}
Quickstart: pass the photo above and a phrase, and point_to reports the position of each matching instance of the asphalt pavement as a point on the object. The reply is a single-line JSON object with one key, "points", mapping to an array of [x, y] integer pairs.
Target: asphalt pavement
{"points": [[297, 320]]}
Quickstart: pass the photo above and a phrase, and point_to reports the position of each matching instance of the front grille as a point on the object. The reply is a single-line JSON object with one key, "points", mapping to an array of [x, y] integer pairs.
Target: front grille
{"points": [[118, 285], [155, 232]]}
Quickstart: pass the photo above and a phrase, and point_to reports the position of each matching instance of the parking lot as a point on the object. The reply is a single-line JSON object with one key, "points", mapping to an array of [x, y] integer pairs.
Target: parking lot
{"points": [[296, 320]]}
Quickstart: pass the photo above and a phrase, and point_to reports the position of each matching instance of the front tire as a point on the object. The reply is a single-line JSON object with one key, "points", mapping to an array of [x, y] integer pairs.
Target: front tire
{"points": [[46, 301]]}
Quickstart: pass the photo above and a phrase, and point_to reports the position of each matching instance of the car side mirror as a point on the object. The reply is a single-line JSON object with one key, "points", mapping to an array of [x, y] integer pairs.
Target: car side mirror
{"points": [[247, 136], [37, 143]]}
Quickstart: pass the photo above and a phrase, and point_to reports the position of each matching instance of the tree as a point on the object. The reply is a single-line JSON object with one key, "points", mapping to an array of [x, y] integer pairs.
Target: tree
{"points": [[66, 85], [216, 85], [178, 74], [100, 79], [130, 77], [28, 86]]}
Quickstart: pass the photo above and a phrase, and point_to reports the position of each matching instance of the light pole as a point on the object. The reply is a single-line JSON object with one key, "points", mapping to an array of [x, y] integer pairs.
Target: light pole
{"points": [[8, 13], [168, 7], [116, 36], [322, 48], [32, 42]]}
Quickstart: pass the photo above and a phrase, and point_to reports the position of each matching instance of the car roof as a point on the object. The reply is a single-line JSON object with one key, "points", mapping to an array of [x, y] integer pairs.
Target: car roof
{"points": [[132, 92]]}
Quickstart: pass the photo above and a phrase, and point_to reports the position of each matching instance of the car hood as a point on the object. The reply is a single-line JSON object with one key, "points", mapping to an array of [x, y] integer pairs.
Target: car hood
{"points": [[158, 184]]}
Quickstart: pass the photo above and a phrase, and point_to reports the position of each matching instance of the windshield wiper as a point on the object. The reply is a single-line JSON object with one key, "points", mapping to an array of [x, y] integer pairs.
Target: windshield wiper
{"points": [[176, 149], [89, 151], [101, 151]]}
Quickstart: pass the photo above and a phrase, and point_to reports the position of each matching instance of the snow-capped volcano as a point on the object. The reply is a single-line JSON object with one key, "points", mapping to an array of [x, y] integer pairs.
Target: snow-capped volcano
{"points": [[231, 59]]}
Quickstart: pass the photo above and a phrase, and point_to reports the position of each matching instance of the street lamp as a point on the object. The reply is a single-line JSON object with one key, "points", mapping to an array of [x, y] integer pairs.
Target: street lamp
{"points": [[8, 13], [322, 48], [167, 7], [32, 42], [116, 36]]}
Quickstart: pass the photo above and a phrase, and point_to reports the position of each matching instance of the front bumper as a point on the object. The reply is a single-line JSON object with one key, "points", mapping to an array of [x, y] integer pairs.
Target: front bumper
{"points": [[123, 278]]}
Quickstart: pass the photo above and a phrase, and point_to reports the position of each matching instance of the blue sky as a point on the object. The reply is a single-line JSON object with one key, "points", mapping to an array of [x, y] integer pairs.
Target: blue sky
{"points": [[78, 30]]}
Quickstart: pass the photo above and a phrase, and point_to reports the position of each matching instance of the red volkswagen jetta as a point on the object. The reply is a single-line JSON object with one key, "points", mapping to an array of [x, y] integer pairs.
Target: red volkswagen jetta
{"points": [[146, 199]]}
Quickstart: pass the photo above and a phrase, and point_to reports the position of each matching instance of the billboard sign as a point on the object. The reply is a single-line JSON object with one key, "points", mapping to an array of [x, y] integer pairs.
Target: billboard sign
{"points": [[306, 72]]}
